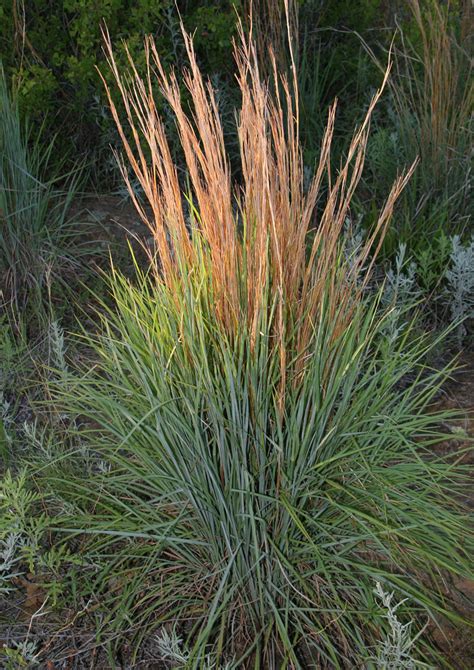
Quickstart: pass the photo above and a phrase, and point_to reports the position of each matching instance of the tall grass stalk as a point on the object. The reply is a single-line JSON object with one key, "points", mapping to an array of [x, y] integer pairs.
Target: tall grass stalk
{"points": [[267, 459], [253, 239], [444, 95]]}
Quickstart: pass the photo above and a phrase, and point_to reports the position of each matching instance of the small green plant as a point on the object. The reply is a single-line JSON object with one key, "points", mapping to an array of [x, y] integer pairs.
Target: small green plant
{"points": [[8, 559], [460, 284], [399, 296], [432, 258], [22, 654], [19, 517], [400, 284], [26, 541], [171, 648]]}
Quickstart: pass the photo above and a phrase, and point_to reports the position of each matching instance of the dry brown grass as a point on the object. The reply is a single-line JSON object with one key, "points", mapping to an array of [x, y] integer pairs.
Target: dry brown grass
{"points": [[269, 245]]}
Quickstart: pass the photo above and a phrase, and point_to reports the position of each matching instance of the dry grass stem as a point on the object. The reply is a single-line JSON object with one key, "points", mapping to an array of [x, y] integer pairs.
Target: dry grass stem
{"points": [[264, 233]]}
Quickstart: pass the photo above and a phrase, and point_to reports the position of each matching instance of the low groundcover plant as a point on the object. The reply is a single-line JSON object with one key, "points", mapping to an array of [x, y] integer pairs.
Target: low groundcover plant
{"points": [[267, 460]]}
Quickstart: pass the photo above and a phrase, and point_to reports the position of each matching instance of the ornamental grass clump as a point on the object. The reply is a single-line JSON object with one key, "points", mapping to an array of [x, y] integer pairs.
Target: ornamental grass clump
{"points": [[433, 98], [266, 460], [37, 239]]}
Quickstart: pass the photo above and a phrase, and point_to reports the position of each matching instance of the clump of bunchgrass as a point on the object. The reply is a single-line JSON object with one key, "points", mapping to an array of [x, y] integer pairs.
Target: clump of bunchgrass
{"points": [[432, 98], [261, 461], [36, 232]]}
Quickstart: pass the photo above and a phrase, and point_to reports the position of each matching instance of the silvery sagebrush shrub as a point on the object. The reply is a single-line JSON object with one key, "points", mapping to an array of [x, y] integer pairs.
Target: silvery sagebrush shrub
{"points": [[170, 646], [172, 649], [460, 284], [397, 649], [15, 508], [400, 282], [399, 295], [20, 654], [9, 545], [16, 512]]}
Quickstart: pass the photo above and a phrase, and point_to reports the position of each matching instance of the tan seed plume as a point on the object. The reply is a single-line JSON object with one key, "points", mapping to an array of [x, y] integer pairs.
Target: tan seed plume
{"points": [[265, 234]]}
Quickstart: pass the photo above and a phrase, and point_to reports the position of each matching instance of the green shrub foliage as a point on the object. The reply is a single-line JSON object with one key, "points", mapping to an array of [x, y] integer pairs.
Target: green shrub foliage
{"points": [[51, 49]]}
